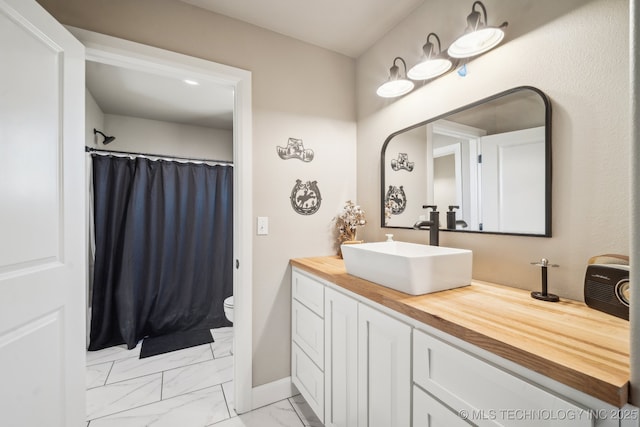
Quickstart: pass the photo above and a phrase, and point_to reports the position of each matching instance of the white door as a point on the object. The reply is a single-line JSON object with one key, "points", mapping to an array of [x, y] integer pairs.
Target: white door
{"points": [[384, 370], [513, 181], [42, 220], [341, 360]]}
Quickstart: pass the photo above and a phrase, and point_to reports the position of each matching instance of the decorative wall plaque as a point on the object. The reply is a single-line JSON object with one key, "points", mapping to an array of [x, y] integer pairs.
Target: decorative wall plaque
{"points": [[402, 162], [396, 199], [295, 150], [305, 198]]}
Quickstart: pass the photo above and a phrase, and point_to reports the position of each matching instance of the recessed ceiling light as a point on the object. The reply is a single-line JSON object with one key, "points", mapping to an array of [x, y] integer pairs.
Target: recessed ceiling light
{"points": [[191, 82]]}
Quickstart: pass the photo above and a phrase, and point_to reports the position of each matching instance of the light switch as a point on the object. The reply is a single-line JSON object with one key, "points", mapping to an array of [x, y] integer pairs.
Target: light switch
{"points": [[263, 225]]}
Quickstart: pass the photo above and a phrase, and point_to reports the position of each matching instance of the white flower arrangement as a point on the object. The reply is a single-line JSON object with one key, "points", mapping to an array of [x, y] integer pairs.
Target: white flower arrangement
{"points": [[387, 211], [348, 221]]}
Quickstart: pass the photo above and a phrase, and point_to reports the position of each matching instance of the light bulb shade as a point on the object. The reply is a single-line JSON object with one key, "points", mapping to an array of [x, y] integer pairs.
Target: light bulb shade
{"points": [[476, 42], [396, 84], [393, 88], [432, 64], [478, 37], [429, 69]]}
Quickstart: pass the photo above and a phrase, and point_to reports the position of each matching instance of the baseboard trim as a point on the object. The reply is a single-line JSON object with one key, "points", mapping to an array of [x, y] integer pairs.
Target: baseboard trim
{"points": [[272, 392]]}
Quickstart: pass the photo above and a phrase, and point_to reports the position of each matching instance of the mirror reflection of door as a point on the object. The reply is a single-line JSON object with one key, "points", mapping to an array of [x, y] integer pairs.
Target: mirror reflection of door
{"points": [[447, 179], [513, 181], [445, 182], [455, 171]]}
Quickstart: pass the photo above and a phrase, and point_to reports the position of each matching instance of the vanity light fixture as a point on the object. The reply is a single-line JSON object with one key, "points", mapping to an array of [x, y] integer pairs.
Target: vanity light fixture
{"points": [[432, 64], [478, 37], [396, 84]]}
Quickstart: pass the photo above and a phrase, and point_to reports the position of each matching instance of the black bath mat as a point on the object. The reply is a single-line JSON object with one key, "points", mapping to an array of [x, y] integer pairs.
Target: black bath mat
{"points": [[152, 346]]}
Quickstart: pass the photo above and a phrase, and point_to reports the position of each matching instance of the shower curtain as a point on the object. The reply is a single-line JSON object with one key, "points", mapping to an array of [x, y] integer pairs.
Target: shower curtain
{"points": [[164, 248]]}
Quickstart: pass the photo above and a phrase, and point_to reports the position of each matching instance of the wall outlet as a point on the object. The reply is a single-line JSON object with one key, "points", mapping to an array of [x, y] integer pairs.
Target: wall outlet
{"points": [[263, 225]]}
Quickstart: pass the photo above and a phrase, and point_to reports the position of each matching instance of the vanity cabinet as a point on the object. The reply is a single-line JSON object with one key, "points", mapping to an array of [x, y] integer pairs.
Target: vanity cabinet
{"points": [[307, 340], [384, 370], [341, 353], [362, 364], [429, 412], [366, 368], [484, 394]]}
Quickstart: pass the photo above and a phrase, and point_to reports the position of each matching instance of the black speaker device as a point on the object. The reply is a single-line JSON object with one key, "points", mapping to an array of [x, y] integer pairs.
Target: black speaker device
{"points": [[606, 288]]}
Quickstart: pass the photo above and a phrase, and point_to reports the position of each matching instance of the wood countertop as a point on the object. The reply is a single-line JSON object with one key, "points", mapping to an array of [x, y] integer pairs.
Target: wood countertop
{"points": [[566, 341]]}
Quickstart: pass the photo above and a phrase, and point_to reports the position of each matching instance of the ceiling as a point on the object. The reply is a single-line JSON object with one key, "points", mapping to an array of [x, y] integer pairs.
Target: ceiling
{"points": [[348, 27], [134, 93]]}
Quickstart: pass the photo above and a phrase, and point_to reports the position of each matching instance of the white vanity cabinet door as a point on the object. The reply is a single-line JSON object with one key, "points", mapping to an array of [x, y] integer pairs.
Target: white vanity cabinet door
{"points": [[488, 395], [308, 379], [384, 370], [629, 416], [307, 339], [341, 360], [428, 412], [308, 291], [307, 330]]}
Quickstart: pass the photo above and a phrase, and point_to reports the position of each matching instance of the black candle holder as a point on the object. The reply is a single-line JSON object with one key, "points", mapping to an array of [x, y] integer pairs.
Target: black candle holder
{"points": [[544, 295]]}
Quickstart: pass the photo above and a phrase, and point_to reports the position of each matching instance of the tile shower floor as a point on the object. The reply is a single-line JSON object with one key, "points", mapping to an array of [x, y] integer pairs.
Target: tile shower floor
{"points": [[186, 388]]}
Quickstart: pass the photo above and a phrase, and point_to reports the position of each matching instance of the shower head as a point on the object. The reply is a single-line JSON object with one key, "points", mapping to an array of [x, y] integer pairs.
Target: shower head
{"points": [[107, 139]]}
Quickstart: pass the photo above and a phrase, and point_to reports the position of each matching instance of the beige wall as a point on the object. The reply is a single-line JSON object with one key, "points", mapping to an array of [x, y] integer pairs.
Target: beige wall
{"points": [[576, 51], [412, 182], [299, 91]]}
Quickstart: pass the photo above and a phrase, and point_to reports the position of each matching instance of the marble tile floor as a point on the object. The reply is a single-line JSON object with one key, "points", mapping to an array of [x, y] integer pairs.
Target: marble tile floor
{"points": [[186, 388]]}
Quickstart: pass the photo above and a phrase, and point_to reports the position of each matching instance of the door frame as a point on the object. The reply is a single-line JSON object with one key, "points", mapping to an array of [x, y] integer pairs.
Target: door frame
{"points": [[127, 54]]}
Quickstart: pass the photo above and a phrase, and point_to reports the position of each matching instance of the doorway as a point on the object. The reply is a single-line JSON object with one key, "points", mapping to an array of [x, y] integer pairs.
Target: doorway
{"points": [[458, 177], [101, 49]]}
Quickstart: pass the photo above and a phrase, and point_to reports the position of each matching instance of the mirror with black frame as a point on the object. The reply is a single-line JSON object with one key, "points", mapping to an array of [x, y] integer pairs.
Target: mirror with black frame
{"points": [[486, 166]]}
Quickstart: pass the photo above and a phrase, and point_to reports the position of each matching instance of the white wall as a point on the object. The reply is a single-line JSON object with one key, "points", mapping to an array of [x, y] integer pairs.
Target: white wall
{"points": [[576, 51], [94, 119], [299, 91], [172, 139], [138, 135]]}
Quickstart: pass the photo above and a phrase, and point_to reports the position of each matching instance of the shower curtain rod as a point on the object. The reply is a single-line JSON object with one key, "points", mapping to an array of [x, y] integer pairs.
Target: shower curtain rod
{"points": [[127, 153]]}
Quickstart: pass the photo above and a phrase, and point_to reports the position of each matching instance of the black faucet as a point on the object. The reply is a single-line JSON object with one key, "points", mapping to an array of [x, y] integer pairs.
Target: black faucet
{"points": [[433, 224], [452, 222], [451, 217]]}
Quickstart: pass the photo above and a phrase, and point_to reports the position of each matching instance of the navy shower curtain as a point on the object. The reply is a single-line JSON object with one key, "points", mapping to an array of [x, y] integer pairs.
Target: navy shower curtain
{"points": [[164, 248]]}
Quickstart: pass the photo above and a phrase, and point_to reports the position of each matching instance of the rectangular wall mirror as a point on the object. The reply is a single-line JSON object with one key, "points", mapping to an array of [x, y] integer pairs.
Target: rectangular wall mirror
{"points": [[489, 162]]}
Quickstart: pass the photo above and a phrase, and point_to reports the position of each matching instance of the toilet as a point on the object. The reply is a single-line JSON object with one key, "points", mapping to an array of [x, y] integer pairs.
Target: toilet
{"points": [[228, 308]]}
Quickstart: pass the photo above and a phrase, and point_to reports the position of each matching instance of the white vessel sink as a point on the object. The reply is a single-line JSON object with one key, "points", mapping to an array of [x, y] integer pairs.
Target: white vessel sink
{"points": [[409, 267]]}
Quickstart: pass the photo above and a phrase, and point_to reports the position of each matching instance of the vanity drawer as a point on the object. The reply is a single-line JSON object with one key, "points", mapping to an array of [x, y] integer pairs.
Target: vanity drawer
{"points": [[307, 330], [309, 380], [428, 412], [308, 291], [490, 395]]}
